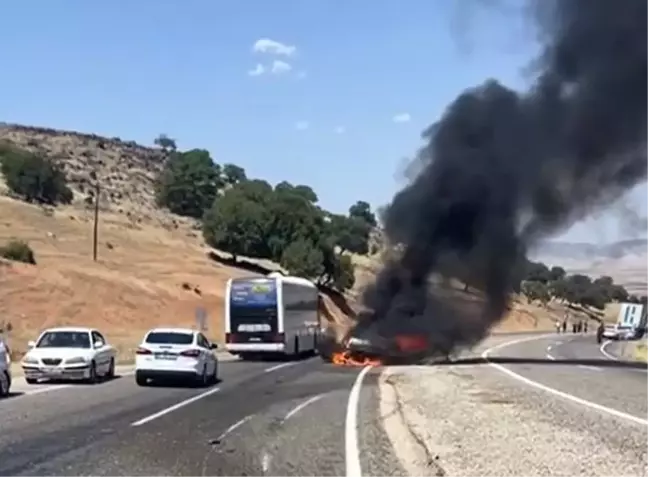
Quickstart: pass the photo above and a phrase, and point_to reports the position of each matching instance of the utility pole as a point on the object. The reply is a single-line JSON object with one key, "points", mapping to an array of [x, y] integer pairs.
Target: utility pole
{"points": [[96, 222]]}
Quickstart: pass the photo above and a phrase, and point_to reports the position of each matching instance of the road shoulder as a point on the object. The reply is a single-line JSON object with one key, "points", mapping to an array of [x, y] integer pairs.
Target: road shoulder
{"points": [[631, 350], [468, 420]]}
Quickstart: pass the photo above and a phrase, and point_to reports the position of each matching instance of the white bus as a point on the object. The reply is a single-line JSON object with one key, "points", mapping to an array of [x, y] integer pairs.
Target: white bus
{"points": [[275, 314]]}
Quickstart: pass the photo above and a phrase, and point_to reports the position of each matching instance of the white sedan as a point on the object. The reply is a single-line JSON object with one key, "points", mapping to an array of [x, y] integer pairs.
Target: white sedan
{"points": [[69, 353], [176, 353]]}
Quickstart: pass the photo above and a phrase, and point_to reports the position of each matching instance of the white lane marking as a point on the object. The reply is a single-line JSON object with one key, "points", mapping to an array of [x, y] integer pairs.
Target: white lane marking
{"points": [[556, 392], [614, 358], [592, 368], [279, 366], [42, 390], [265, 462], [605, 353], [351, 451], [175, 407], [234, 426], [550, 357], [301, 406]]}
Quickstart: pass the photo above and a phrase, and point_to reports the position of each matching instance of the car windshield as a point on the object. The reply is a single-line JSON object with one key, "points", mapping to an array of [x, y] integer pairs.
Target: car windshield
{"points": [[169, 337], [64, 339]]}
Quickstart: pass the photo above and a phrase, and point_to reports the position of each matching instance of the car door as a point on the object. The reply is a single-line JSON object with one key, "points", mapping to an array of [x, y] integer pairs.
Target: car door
{"points": [[207, 352], [102, 355]]}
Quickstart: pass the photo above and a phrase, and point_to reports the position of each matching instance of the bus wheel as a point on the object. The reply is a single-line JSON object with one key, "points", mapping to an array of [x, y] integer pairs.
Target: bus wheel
{"points": [[297, 346]]}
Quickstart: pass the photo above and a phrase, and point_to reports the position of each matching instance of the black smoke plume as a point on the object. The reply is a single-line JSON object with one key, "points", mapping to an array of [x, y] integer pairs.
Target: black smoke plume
{"points": [[503, 169]]}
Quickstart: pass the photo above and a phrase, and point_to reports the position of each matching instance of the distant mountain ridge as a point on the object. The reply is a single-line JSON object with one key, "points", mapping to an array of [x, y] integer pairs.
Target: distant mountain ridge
{"points": [[626, 261], [575, 250]]}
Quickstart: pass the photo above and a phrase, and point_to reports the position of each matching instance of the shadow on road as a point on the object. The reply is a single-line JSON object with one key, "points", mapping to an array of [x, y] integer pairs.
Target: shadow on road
{"points": [[270, 358], [601, 363]]}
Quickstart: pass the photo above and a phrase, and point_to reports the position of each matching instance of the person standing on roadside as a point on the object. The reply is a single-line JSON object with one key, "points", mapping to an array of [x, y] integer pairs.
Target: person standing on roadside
{"points": [[599, 332]]}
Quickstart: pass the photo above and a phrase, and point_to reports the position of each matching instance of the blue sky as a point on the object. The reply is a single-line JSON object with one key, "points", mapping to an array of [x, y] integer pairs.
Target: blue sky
{"points": [[345, 90]]}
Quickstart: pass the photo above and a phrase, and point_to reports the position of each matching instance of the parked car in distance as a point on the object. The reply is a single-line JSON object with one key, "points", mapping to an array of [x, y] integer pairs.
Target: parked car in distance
{"points": [[69, 353], [5, 369], [176, 354]]}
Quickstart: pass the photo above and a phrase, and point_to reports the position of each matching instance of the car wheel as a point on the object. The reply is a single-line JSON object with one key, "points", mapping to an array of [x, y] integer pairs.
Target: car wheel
{"points": [[31, 381], [214, 377], [92, 378], [111, 370], [5, 384], [202, 380], [141, 380]]}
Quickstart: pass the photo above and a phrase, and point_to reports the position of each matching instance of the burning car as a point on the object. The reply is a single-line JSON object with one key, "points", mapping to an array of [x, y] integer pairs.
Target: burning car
{"points": [[361, 349]]}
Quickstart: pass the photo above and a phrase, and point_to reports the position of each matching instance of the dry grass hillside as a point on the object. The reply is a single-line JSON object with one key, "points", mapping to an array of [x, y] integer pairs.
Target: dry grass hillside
{"points": [[153, 267]]}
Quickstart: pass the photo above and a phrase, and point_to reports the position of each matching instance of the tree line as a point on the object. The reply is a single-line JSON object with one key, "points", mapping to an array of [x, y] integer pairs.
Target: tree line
{"points": [[542, 283], [249, 217], [240, 215]]}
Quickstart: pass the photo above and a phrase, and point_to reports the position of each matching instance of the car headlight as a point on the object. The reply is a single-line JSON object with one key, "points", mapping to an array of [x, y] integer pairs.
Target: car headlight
{"points": [[76, 360], [29, 360]]}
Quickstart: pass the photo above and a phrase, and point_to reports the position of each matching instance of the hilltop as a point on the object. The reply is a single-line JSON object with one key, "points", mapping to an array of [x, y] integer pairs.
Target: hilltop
{"points": [[125, 169], [154, 266]]}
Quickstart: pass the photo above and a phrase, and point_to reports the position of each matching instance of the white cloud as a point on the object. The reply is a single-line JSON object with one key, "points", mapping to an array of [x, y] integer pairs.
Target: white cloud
{"points": [[301, 125], [402, 118], [258, 70], [340, 130], [272, 47], [280, 67]]}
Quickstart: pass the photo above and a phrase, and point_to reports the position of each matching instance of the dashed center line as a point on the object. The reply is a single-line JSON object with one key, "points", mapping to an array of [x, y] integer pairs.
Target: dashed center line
{"points": [[592, 368], [301, 406], [175, 407], [279, 366], [234, 426]]}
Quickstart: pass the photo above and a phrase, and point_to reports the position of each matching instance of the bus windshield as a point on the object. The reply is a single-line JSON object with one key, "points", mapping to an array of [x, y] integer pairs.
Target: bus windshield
{"points": [[253, 306]]}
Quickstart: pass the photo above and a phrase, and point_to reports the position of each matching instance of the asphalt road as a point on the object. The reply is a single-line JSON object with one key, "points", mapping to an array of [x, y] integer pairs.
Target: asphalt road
{"points": [[263, 418], [574, 364], [294, 418]]}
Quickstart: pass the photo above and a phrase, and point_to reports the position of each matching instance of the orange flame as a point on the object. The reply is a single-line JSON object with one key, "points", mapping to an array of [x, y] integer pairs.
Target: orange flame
{"points": [[346, 358]]}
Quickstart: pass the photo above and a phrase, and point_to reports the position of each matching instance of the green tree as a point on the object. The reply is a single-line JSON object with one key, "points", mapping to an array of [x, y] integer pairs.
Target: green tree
{"points": [[344, 277], [292, 217], [237, 224], [302, 258], [34, 178], [535, 290], [189, 183], [594, 296], [233, 174], [166, 143], [282, 224], [303, 191], [350, 233], [557, 273], [18, 251], [537, 272], [362, 210]]}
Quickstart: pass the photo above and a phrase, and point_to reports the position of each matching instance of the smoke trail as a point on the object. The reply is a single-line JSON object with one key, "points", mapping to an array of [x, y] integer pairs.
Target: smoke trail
{"points": [[502, 170]]}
